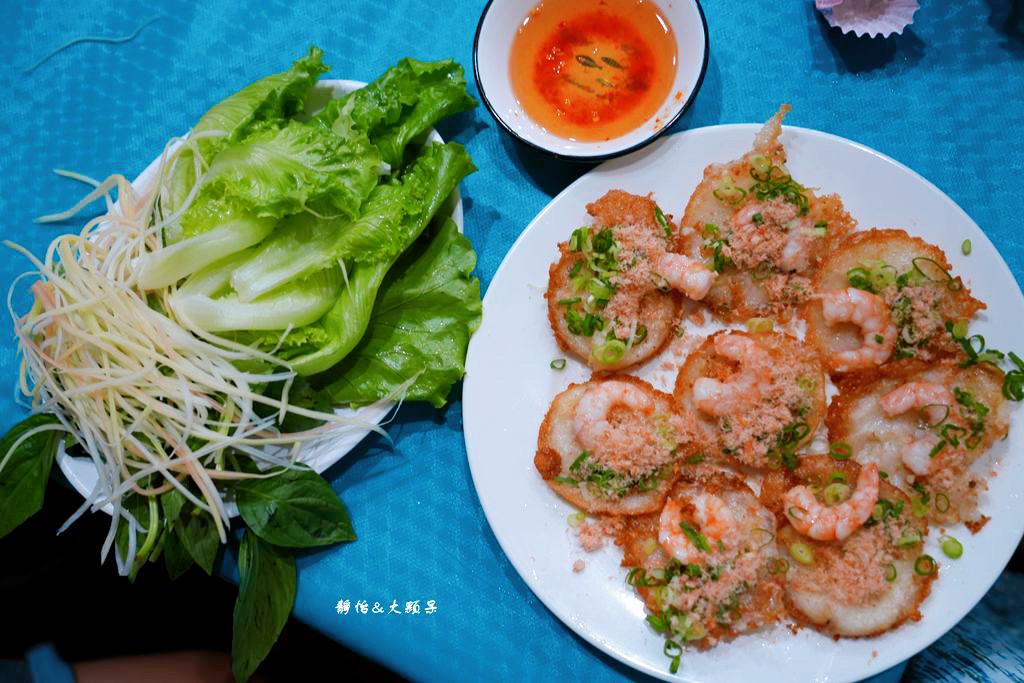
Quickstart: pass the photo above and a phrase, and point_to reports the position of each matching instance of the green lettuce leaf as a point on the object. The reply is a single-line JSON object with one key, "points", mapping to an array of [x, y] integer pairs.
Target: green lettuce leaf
{"points": [[396, 215], [403, 104], [426, 311], [275, 97], [286, 170]]}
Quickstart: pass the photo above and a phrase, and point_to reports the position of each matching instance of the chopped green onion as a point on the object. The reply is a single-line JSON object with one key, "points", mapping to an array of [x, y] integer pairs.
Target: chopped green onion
{"points": [[925, 415], [757, 218], [558, 364], [836, 493], [695, 632], [662, 221], [637, 577], [890, 572], [767, 535], [840, 451], [569, 302], [966, 247], [959, 329], [909, 538], [796, 512], [755, 325], [761, 163], [697, 538], [778, 565], [763, 271], [729, 192], [611, 351], [1013, 384], [837, 477], [951, 547], [925, 565], [939, 274], [576, 518], [941, 502], [801, 552]]}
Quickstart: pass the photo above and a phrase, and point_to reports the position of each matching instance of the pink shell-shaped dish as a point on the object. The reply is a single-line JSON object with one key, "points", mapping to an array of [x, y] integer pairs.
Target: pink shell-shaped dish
{"points": [[869, 17]]}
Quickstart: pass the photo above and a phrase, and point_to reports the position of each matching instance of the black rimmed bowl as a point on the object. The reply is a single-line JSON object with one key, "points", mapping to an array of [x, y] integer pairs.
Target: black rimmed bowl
{"points": [[492, 49]]}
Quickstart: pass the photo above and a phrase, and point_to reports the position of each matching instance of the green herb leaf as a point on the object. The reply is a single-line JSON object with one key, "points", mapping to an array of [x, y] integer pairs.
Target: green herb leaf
{"points": [[423, 317], [177, 559], [193, 527], [294, 509], [266, 594], [24, 477], [697, 538]]}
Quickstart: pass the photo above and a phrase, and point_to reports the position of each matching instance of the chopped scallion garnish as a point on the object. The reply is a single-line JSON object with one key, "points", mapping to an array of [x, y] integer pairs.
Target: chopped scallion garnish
{"points": [[951, 547], [925, 565], [801, 552], [840, 450]]}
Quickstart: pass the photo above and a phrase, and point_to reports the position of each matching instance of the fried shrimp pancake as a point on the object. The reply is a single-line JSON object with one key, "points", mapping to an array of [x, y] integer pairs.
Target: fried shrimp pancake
{"points": [[612, 445], [926, 448], [911, 276], [772, 401], [763, 231], [604, 303], [728, 581], [867, 584]]}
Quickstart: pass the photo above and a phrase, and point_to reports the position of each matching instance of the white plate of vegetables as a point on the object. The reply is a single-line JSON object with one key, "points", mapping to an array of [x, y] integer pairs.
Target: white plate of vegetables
{"points": [[244, 314]]}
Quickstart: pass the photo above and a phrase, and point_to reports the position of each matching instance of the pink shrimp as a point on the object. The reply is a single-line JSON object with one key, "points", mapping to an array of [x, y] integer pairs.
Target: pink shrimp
{"points": [[836, 522], [936, 400], [590, 420], [870, 313], [727, 398], [689, 276], [927, 395], [714, 520]]}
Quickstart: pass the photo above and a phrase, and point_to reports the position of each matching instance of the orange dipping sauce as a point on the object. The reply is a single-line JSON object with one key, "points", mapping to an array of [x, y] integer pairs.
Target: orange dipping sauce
{"points": [[593, 70]]}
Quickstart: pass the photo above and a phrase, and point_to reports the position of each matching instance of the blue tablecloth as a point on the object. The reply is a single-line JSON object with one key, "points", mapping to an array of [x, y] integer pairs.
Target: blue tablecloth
{"points": [[944, 98]]}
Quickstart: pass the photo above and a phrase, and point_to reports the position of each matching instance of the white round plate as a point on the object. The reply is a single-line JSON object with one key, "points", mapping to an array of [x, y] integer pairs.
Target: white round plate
{"points": [[510, 384], [321, 454]]}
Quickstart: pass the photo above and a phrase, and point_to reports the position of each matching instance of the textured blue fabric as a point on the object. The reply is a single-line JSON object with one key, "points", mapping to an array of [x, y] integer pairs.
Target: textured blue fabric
{"points": [[943, 98]]}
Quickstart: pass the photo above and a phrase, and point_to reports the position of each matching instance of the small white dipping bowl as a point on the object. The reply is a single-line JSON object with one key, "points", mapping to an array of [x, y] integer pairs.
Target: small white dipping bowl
{"points": [[492, 49]]}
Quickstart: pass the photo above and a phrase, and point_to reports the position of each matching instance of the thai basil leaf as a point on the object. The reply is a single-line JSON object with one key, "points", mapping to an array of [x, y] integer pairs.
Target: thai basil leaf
{"points": [[194, 528], [23, 479], [295, 508], [176, 557], [266, 593]]}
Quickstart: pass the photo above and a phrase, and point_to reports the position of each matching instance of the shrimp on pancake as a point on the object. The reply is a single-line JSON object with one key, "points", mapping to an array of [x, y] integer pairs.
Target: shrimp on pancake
{"points": [[884, 295], [764, 232], [614, 294], [924, 425], [612, 445], [706, 566], [757, 397], [852, 544]]}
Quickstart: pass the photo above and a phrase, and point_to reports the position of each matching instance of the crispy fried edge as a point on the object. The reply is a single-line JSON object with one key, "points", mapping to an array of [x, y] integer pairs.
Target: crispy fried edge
{"points": [[545, 457]]}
